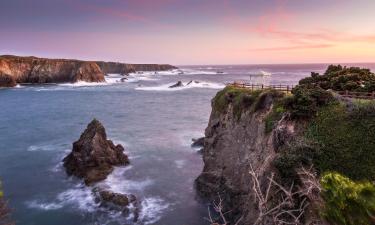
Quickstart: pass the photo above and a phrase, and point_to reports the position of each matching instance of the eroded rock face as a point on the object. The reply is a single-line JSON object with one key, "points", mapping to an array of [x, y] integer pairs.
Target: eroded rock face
{"points": [[125, 68], [40, 70], [93, 156], [231, 145], [7, 80]]}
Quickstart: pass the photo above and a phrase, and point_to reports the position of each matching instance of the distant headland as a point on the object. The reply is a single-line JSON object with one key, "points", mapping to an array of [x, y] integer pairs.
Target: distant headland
{"points": [[17, 69]]}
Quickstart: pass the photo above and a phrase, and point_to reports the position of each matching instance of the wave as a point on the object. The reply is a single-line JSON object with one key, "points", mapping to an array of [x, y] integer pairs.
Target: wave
{"points": [[152, 210], [79, 197], [182, 71], [186, 85], [115, 182], [180, 163]]}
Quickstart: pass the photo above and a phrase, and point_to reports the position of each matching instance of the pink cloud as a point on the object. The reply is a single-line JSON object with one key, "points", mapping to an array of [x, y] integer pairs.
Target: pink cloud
{"points": [[294, 47]]}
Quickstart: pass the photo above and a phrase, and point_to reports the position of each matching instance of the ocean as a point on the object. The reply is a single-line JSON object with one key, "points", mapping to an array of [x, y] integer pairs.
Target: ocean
{"points": [[155, 124]]}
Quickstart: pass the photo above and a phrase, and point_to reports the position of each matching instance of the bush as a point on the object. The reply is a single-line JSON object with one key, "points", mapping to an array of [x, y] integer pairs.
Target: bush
{"points": [[307, 100], [346, 138], [347, 202], [341, 78]]}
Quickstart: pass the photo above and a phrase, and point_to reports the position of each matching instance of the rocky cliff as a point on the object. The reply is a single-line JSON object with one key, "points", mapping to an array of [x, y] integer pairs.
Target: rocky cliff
{"points": [[14, 69], [234, 140], [266, 155], [41, 70], [124, 68]]}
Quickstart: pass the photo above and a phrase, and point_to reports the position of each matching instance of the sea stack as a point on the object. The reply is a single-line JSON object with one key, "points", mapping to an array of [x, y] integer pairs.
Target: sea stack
{"points": [[93, 156]]}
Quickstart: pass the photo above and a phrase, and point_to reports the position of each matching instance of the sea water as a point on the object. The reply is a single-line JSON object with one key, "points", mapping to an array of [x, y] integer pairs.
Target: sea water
{"points": [[155, 124]]}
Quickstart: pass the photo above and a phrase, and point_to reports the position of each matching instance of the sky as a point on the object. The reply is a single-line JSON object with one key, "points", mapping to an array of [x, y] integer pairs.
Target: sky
{"points": [[191, 32]]}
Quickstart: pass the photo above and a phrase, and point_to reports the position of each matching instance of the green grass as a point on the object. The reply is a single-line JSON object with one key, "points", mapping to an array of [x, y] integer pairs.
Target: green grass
{"points": [[240, 98]]}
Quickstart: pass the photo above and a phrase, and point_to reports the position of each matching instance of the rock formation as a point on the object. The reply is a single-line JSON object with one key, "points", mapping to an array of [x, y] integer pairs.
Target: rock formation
{"points": [[233, 142], [198, 142], [14, 69], [125, 68], [39, 70], [178, 84], [93, 156], [125, 203]]}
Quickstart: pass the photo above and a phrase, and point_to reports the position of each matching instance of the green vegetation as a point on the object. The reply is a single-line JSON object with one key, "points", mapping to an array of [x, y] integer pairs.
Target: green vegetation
{"points": [[346, 139], [347, 202], [341, 78], [274, 116], [242, 99], [306, 101]]}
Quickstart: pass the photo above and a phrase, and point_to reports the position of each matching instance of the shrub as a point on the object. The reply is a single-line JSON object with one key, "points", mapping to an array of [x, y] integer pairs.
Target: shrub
{"points": [[341, 78], [346, 137], [347, 202], [307, 100]]}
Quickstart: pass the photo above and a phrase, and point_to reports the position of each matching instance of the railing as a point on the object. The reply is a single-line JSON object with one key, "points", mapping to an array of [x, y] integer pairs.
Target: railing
{"points": [[279, 87], [288, 88]]}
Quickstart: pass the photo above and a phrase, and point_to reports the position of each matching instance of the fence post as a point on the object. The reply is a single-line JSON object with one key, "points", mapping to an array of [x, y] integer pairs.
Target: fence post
{"points": [[262, 86], [252, 87], [287, 89], [346, 93]]}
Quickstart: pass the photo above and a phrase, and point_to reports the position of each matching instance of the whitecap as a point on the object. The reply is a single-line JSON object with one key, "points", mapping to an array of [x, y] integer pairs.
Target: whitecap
{"points": [[152, 210], [166, 87], [180, 163], [47, 147], [79, 197], [117, 183], [84, 84], [44, 206]]}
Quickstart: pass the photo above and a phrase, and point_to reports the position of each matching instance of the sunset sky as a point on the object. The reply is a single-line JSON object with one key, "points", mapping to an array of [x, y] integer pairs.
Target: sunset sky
{"points": [[191, 31]]}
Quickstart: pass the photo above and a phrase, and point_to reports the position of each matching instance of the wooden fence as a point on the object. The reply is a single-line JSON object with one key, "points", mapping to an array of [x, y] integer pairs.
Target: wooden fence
{"points": [[279, 87], [288, 88]]}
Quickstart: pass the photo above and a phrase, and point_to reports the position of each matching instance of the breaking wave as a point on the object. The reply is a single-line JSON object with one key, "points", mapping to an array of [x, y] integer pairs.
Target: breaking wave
{"points": [[186, 85]]}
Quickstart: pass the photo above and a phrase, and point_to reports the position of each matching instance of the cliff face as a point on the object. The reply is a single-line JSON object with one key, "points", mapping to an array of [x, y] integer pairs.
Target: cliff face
{"points": [[14, 69], [233, 142], [124, 68], [40, 70]]}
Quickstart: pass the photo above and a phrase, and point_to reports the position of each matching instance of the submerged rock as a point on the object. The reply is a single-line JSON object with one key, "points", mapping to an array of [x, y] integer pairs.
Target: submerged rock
{"points": [[178, 84], [93, 156], [126, 203], [112, 199]]}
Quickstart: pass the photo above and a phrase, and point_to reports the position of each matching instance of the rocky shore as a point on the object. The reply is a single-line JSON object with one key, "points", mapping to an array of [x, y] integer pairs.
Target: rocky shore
{"points": [[15, 69], [305, 158]]}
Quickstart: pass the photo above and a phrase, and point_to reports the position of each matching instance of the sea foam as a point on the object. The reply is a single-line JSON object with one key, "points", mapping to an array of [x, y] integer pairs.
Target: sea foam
{"points": [[166, 87]]}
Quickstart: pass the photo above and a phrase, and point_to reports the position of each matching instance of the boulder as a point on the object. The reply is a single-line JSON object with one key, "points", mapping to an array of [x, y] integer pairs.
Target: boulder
{"points": [[178, 84], [111, 199], [93, 156], [125, 203]]}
